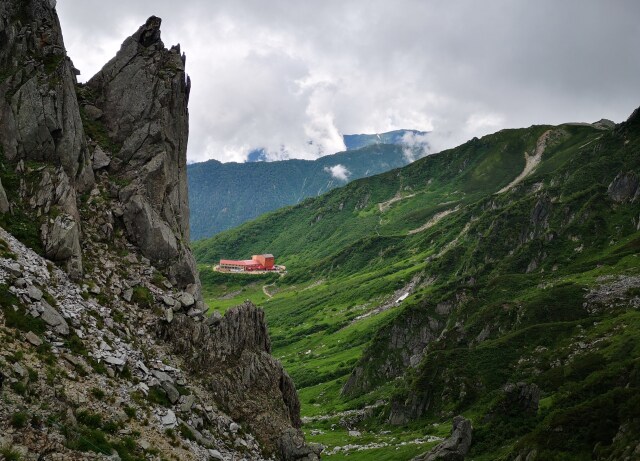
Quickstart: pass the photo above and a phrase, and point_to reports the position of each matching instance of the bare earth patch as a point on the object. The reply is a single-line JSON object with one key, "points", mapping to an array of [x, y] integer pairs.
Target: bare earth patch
{"points": [[435, 219], [532, 161]]}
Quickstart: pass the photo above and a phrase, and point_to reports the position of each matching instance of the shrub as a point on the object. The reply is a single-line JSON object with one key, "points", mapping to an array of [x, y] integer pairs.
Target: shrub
{"points": [[9, 454], [19, 419], [157, 396], [130, 412], [142, 296], [98, 393], [19, 388]]}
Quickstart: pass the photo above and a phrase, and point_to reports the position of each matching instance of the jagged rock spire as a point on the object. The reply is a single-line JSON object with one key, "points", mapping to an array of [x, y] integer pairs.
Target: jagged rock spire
{"points": [[142, 96]]}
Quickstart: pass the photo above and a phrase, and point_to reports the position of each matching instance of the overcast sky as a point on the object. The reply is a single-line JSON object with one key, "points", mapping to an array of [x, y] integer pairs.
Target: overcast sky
{"points": [[293, 76]]}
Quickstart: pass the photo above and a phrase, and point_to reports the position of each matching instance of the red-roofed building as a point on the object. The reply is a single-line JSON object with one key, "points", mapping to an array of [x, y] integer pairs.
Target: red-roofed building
{"points": [[264, 262], [267, 261]]}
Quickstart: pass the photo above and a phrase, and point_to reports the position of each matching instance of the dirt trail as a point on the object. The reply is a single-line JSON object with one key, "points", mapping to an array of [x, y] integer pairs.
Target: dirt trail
{"points": [[384, 206], [264, 290]]}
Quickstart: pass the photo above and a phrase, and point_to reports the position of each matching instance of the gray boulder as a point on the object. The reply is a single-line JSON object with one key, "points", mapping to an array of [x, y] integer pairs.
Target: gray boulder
{"points": [[454, 448], [172, 393], [53, 318], [100, 159], [61, 238], [293, 447], [34, 293], [187, 300]]}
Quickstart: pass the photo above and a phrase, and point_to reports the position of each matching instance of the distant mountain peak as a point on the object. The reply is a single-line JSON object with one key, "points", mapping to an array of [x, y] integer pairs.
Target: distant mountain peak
{"points": [[358, 141], [396, 137]]}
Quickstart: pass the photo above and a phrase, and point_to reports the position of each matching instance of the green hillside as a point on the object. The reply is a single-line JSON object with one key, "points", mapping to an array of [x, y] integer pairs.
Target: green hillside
{"points": [[225, 195], [433, 290]]}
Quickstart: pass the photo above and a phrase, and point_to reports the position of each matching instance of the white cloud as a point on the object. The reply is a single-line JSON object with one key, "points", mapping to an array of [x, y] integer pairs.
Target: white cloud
{"points": [[265, 78], [339, 172], [416, 145]]}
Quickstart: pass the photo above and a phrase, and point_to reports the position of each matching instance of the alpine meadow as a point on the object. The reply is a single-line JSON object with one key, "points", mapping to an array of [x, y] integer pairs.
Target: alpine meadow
{"points": [[519, 255]]}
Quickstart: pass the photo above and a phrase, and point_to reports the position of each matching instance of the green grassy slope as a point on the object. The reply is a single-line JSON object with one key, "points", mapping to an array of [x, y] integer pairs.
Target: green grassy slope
{"points": [[538, 284]]}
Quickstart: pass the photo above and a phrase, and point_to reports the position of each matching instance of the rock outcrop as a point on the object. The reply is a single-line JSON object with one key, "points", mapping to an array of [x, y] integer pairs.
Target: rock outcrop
{"points": [[234, 354], [407, 340], [520, 398], [132, 123], [140, 101], [40, 121], [456, 447], [4, 201], [625, 187]]}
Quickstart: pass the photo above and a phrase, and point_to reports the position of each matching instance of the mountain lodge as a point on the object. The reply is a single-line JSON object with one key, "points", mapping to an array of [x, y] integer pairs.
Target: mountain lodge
{"points": [[265, 262]]}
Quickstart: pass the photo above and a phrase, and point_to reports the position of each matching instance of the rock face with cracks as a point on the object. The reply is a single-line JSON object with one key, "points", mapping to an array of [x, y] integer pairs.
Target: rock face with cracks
{"points": [[40, 122], [234, 353], [140, 97]]}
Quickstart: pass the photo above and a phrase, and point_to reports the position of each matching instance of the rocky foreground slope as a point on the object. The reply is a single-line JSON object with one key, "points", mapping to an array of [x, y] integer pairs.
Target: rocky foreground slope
{"points": [[105, 351]]}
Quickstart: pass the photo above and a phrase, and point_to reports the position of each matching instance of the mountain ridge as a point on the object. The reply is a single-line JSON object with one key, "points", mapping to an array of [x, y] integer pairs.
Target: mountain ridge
{"points": [[224, 195], [464, 283]]}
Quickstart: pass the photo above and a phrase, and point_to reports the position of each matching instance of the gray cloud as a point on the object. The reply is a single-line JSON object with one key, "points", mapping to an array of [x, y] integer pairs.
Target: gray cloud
{"points": [[293, 76]]}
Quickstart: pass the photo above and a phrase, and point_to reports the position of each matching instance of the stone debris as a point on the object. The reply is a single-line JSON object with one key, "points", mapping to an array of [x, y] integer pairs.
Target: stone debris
{"points": [[169, 420], [19, 370], [215, 455], [34, 293], [33, 339]]}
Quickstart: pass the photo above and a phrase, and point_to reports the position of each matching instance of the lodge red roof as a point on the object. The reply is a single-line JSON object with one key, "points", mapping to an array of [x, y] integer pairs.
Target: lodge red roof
{"points": [[245, 262]]}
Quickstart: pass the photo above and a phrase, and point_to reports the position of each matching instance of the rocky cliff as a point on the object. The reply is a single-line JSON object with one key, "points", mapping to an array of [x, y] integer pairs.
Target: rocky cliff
{"points": [[41, 125], [233, 354], [140, 100], [93, 179]]}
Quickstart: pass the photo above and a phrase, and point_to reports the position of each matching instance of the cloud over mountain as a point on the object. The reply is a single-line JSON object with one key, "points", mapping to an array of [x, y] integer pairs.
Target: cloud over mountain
{"points": [[339, 172], [293, 77]]}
